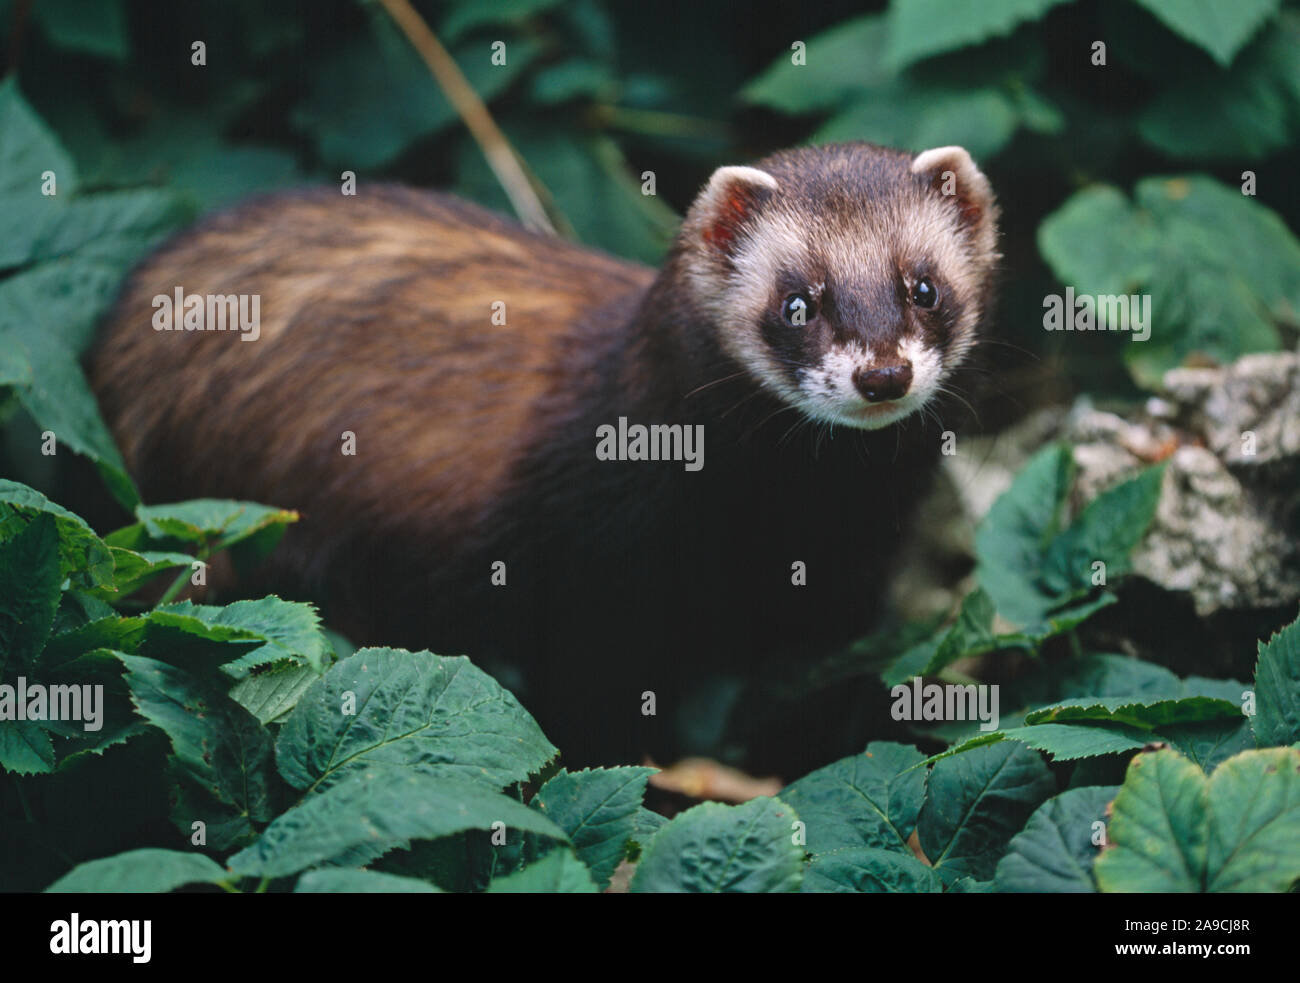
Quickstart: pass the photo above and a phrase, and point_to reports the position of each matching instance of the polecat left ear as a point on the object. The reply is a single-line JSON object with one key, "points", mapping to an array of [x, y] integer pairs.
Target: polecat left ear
{"points": [[951, 172], [732, 196]]}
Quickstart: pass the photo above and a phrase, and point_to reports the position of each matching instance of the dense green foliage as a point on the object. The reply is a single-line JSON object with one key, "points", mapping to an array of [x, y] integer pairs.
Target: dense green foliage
{"points": [[245, 746]]}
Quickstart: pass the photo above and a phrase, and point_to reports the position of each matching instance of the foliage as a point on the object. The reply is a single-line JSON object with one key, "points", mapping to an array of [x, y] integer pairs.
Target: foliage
{"points": [[241, 747]]}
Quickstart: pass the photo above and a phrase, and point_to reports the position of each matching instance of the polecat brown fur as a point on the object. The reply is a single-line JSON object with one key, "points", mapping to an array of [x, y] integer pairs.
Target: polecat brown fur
{"points": [[809, 314]]}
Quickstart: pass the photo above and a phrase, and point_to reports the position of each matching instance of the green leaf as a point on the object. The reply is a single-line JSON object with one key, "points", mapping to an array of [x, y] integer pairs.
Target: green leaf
{"points": [[1013, 539], [375, 97], [141, 872], [867, 800], [132, 570], [1254, 822], [839, 63], [374, 810], [1136, 713], [1107, 531], [1277, 688], [29, 590], [598, 809], [1219, 28], [215, 522], [866, 870], [1211, 743], [227, 754], [292, 630], [971, 634], [28, 148], [924, 28], [1157, 828], [714, 848], [25, 748], [270, 695], [1219, 267], [975, 802], [411, 709], [1064, 742], [559, 872], [343, 881], [466, 17], [1104, 674], [916, 117], [83, 556], [95, 27], [1174, 829], [1253, 103], [1055, 851]]}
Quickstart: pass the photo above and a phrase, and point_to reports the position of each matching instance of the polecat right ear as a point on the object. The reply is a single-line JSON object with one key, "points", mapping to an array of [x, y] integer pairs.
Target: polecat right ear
{"points": [[951, 172], [731, 197]]}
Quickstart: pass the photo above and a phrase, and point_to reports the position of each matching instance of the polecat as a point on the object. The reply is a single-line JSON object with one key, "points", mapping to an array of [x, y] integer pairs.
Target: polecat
{"points": [[810, 312]]}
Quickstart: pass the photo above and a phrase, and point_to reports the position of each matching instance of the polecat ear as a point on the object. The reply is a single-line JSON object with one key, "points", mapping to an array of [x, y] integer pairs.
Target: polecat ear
{"points": [[731, 197], [951, 172]]}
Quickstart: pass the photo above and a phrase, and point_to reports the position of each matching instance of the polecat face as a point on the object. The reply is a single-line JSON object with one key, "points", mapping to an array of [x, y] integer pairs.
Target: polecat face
{"points": [[847, 279]]}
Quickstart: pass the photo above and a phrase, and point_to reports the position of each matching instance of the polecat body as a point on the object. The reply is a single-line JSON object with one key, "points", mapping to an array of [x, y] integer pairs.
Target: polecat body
{"points": [[810, 306]]}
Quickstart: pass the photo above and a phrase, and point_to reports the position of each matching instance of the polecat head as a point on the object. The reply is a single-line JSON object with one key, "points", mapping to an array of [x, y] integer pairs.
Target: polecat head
{"points": [[847, 279]]}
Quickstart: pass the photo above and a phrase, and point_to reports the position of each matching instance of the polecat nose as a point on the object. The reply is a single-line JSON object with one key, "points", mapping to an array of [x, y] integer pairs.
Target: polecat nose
{"points": [[889, 382]]}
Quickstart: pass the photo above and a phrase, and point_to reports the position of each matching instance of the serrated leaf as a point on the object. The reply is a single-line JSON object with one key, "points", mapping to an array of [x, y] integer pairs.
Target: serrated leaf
{"points": [[132, 570], [291, 629], [1157, 828], [1013, 538], [1055, 851], [1106, 531], [371, 811], [713, 848], [1254, 822], [598, 809], [1174, 829], [1211, 743], [924, 28], [141, 872], [342, 881], [1277, 688], [1219, 267], [1221, 29], [375, 97], [1063, 742], [218, 744], [83, 556], [412, 709], [975, 802], [864, 870], [25, 748], [1252, 102], [29, 590], [559, 872], [1136, 713], [270, 695], [867, 800], [217, 522], [838, 63]]}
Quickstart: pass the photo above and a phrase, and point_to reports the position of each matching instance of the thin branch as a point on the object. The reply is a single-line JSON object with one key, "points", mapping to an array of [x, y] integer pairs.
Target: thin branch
{"points": [[496, 147]]}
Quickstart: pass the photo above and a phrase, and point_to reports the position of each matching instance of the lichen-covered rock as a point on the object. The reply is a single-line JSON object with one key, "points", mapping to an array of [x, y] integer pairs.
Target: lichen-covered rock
{"points": [[1227, 529]]}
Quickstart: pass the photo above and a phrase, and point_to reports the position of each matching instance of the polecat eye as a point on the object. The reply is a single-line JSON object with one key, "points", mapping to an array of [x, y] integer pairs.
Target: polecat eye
{"points": [[924, 293], [798, 310]]}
